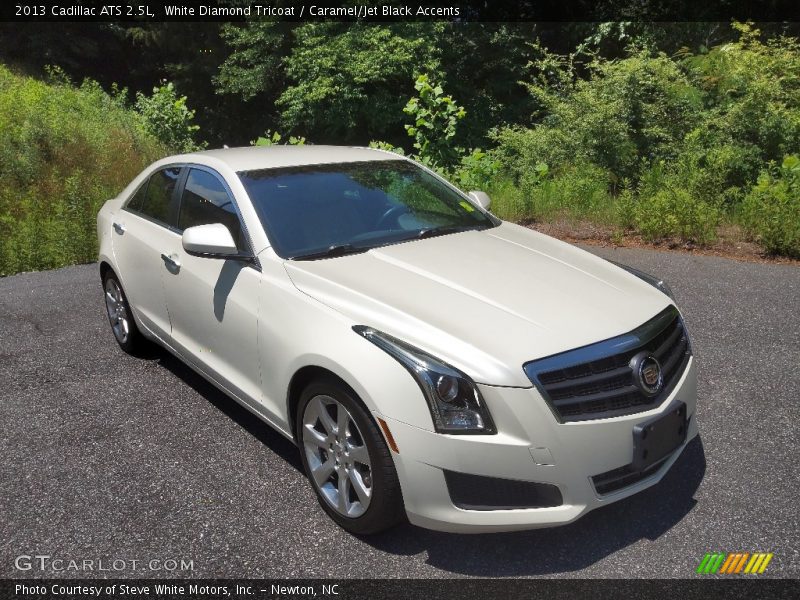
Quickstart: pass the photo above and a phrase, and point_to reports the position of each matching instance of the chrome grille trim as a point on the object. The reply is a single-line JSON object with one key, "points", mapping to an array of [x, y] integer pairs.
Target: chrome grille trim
{"points": [[596, 382]]}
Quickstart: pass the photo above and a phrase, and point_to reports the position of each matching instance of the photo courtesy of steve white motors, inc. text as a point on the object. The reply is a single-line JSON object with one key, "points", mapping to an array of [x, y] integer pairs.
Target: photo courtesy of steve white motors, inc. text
{"points": [[173, 589]]}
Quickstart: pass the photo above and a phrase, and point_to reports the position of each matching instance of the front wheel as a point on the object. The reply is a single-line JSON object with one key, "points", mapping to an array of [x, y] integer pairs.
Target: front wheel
{"points": [[347, 460]]}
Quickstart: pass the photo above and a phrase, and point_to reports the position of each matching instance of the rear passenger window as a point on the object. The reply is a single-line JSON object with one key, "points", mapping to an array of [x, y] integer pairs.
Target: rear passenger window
{"points": [[205, 201], [135, 203], [157, 201]]}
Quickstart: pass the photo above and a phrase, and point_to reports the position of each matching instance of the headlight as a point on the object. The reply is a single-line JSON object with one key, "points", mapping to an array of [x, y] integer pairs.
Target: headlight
{"points": [[455, 402], [656, 282]]}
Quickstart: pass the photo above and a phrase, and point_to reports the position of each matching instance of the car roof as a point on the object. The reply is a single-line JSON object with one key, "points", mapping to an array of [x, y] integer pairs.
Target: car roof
{"points": [[251, 158]]}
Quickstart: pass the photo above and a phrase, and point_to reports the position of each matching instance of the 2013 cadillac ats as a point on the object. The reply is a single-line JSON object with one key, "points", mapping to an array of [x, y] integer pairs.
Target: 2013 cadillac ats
{"points": [[429, 359]]}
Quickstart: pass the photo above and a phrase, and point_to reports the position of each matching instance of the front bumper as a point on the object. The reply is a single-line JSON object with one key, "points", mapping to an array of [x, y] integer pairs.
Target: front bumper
{"points": [[528, 436]]}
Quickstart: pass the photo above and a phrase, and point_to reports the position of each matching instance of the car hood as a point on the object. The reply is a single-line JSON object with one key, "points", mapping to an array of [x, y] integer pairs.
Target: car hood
{"points": [[484, 301]]}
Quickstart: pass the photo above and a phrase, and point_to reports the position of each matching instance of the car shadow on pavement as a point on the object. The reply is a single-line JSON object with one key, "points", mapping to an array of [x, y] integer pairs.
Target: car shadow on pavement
{"points": [[225, 404], [647, 515]]}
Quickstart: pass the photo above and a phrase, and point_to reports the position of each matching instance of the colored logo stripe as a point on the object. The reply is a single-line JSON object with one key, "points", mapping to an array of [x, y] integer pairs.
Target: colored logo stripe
{"points": [[734, 562], [711, 562]]}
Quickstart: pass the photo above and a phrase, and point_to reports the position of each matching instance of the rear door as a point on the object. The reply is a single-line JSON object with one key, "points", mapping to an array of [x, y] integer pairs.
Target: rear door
{"points": [[143, 229], [213, 303]]}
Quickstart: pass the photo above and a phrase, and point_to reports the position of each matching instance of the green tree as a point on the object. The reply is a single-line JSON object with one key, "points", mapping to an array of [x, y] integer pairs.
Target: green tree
{"points": [[434, 119], [168, 118], [482, 65], [344, 78]]}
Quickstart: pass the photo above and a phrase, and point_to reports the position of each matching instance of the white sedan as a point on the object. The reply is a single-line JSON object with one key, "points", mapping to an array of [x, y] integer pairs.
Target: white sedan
{"points": [[431, 361]]}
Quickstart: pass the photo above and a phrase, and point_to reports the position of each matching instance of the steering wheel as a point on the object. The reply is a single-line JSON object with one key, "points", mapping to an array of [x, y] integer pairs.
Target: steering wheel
{"points": [[392, 215]]}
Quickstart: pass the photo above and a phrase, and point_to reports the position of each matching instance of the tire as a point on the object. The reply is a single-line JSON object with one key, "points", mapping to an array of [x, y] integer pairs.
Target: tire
{"points": [[372, 500], [120, 316]]}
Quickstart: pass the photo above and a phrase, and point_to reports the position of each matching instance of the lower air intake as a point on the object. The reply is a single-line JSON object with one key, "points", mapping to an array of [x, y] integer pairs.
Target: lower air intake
{"points": [[475, 492]]}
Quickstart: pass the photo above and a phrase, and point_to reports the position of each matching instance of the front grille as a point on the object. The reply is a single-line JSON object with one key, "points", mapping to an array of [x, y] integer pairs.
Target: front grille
{"points": [[596, 381], [477, 492]]}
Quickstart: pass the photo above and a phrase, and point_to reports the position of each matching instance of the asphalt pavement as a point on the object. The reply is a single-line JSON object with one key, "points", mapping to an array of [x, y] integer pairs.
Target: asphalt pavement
{"points": [[105, 457]]}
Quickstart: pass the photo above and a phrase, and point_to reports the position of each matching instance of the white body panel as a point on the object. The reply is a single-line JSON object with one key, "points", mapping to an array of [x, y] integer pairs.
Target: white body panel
{"points": [[214, 317], [135, 246], [484, 301]]}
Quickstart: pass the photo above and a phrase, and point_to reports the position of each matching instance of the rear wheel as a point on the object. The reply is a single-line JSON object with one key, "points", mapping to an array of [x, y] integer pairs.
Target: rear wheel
{"points": [[347, 460], [120, 316]]}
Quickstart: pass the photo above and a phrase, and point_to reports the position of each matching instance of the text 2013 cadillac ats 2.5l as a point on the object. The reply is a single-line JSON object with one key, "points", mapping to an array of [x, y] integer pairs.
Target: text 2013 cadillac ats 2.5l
{"points": [[429, 360]]}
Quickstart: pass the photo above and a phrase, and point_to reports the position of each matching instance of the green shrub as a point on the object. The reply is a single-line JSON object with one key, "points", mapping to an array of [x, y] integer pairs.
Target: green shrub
{"points": [[507, 201], [574, 193], [168, 118], [771, 210], [663, 205], [676, 213], [64, 150], [434, 120], [625, 209], [476, 171], [681, 139], [718, 173], [752, 116], [626, 112]]}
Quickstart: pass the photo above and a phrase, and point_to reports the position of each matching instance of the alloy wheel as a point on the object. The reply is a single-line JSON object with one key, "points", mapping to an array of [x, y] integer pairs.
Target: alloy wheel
{"points": [[337, 456], [117, 309]]}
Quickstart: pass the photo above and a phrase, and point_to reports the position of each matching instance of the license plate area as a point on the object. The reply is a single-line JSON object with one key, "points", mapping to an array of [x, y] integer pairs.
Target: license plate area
{"points": [[657, 438]]}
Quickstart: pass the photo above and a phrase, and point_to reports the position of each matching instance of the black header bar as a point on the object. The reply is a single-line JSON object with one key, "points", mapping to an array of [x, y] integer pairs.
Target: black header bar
{"points": [[393, 10]]}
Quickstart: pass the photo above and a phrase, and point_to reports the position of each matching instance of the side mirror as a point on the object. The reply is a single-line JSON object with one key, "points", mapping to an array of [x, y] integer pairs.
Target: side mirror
{"points": [[210, 241], [481, 199]]}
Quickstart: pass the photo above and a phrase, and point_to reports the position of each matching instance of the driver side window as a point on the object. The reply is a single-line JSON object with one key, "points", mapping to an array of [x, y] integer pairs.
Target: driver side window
{"points": [[205, 200]]}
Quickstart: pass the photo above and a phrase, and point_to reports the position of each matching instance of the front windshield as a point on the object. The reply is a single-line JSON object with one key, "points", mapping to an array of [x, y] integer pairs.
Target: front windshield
{"points": [[355, 206]]}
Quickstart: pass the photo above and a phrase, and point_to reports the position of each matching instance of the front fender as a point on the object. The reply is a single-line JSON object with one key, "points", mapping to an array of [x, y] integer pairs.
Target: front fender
{"points": [[297, 331]]}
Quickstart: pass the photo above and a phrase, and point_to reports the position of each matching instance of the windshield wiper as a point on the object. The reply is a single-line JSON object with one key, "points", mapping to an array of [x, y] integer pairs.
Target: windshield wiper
{"points": [[332, 252], [435, 231]]}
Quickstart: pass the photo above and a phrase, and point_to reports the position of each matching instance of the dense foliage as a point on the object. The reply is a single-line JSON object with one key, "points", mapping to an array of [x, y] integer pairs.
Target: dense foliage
{"points": [[168, 118], [665, 146], [64, 150], [667, 131], [770, 210]]}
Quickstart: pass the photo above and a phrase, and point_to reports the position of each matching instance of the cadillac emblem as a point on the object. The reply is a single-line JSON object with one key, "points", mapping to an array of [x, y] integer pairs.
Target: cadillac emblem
{"points": [[646, 371]]}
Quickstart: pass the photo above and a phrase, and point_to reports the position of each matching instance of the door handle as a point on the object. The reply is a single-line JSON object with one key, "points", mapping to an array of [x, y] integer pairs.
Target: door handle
{"points": [[171, 262], [119, 228]]}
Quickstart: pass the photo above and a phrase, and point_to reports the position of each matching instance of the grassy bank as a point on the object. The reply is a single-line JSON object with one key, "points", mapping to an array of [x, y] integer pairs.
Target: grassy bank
{"points": [[64, 150]]}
